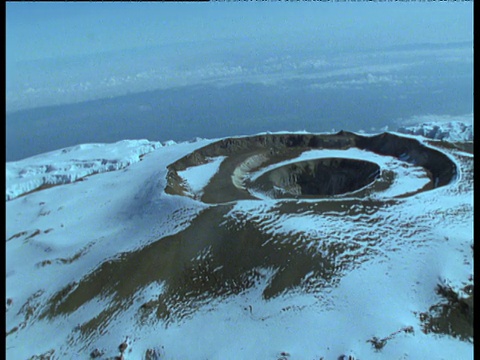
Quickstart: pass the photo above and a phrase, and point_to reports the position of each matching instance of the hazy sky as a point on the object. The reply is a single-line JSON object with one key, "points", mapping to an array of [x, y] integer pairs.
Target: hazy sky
{"points": [[46, 30], [286, 65]]}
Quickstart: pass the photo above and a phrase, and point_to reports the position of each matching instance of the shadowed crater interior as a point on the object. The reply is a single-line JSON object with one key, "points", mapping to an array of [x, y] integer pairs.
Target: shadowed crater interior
{"points": [[319, 177]]}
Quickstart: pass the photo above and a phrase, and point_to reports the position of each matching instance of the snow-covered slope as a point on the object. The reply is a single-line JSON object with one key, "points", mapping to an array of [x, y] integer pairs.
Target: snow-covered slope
{"points": [[114, 261]]}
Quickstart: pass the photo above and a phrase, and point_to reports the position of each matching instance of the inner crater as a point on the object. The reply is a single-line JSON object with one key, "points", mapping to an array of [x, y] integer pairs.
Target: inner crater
{"points": [[317, 178]]}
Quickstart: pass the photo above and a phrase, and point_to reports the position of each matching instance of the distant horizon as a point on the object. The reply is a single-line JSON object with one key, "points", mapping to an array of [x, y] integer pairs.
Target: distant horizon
{"points": [[102, 72], [65, 52], [85, 58]]}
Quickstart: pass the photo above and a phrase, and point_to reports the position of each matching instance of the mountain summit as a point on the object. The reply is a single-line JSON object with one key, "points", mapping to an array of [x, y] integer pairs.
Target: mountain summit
{"points": [[272, 246]]}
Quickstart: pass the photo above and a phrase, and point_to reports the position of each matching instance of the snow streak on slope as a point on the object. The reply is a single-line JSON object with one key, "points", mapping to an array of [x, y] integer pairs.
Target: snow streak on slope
{"points": [[115, 259]]}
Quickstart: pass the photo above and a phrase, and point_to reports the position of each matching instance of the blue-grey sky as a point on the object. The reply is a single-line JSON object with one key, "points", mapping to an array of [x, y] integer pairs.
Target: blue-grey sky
{"points": [[49, 30], [45, 39], [213, 69]]}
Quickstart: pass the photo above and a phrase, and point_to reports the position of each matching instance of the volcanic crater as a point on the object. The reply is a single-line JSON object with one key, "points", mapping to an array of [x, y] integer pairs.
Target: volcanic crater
{"points": [[227, 250], [270, 166]]}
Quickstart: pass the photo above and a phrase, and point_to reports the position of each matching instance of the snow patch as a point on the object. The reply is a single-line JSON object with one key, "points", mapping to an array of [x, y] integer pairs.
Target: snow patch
{"points": [[197, 177]]}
